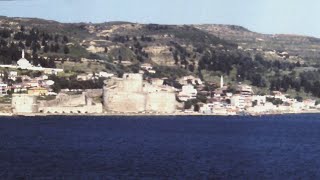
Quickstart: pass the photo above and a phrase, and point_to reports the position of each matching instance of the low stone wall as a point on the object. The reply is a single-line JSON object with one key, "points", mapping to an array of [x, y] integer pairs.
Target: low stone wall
{"points": [[65, 100], [98, 108]]}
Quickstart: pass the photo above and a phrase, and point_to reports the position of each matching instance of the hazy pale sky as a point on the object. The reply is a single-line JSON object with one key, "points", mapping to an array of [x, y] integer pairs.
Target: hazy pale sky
{"points": [[265, 16]]}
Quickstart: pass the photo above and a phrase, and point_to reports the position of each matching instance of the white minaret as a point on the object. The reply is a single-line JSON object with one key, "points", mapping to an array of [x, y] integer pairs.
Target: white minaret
{"points": [[22, 53], [221, 82]]}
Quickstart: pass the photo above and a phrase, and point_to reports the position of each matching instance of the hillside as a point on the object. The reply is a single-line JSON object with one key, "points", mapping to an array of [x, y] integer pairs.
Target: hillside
{"points": [[301, 48], [268, 62]]}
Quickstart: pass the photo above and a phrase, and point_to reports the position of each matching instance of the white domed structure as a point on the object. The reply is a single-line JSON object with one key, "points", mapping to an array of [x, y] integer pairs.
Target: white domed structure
{"points": [[24, 63]]}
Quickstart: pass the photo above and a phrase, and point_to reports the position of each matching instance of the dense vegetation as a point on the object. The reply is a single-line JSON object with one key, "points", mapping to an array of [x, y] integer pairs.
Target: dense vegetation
{"points": [[11, 44], [188, 50]]}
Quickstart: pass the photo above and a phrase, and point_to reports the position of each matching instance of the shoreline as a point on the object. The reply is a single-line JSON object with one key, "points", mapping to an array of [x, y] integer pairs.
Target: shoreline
{"points": [[152, 114]]}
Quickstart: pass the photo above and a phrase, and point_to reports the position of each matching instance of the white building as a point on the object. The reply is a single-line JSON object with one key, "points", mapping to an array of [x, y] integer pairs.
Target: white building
{"points": [[105, 74], [188, 92], [261, 100], [190, 79], [238, 101], [83, 77], [309, 103], [13, 75], [23, 63], [3, 89], [206, 108], [146, 66], [245, 90]]}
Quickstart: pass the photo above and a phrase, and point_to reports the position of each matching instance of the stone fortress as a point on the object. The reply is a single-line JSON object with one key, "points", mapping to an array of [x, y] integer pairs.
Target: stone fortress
{"points": [[130, 94]]}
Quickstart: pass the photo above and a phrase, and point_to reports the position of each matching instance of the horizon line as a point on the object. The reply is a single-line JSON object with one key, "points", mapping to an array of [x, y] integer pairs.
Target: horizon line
{"points": [[169, 24]]}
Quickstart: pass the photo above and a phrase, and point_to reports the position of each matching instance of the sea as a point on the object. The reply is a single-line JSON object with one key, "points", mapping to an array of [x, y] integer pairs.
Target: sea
{"points": [[183, 147]]}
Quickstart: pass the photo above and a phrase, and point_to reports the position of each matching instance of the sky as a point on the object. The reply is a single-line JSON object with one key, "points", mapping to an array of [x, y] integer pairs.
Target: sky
{"points": [[264, 16]]}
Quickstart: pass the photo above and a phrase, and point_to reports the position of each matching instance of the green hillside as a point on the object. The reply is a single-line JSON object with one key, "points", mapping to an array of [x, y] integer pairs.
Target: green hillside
{"points": [[269, 62]]}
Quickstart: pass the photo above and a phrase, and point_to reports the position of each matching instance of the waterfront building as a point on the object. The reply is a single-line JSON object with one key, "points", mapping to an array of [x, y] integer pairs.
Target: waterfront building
{"points": [[206, 108], [238, 101], [24, 103]]}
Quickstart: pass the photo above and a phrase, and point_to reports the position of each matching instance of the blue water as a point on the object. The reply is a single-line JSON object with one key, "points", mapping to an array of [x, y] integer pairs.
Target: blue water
{"points": [[271, 147]]}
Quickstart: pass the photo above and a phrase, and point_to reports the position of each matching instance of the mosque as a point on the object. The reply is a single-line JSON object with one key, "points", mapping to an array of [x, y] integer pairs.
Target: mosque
{"points": [[23, 63]]}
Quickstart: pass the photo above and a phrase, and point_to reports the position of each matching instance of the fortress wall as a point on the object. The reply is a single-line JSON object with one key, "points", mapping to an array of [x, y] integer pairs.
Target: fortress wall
{"points": [[75, 100], [23, 103], [73, 110], [94, 92], [105, 97], [131, 85], [65, 100], [161, 102], [125, 101]]}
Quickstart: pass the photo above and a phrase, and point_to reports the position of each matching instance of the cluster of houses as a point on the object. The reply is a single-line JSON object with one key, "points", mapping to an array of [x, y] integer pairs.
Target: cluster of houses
{"points": [[241, 101], [38, 86], [19, 83], [218, 101]]}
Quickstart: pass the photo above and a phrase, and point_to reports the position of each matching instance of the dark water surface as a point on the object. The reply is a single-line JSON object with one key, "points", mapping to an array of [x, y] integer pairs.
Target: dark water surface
{"points": [[271, 147]]}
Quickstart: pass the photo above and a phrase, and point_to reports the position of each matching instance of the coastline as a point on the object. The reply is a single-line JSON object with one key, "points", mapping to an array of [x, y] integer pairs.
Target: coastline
{"points": [[152, 114]]}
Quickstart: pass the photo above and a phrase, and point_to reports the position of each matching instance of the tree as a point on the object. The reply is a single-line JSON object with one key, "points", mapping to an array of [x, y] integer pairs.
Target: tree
{"points": [[28, 42], [66, 50], [52, 49], [175, 57], [56, 38], [5, 33], [21, 45], [5, 77], [191, 67], [51, 63], [43, 43], [65, 39], [56, 47], [19, 36], [46, 48], [299, 98], [22, 28], [120, 58], [298, 64]]}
